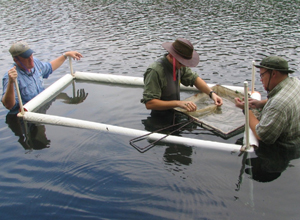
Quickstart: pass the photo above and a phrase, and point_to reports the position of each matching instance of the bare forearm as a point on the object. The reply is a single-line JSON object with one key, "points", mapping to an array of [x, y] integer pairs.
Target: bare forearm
{"points": [[61, 59], [202, 86], [57, 62], [156, 104]]}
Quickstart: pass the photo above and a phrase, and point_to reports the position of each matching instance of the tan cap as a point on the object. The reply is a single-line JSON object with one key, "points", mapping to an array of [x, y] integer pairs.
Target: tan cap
{"points": [[20, 48]]}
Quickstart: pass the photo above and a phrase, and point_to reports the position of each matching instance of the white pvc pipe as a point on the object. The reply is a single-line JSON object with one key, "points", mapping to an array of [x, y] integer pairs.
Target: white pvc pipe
{"points": [[252, 139], [134, 81], [48, 93], [71, 66], [253, 77], [246, 110], [69, 122]]}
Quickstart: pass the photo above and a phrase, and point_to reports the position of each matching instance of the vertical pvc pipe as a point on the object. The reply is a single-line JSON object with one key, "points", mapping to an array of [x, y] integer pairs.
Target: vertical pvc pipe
{"points": [[246, 109], [253, 77], [71, 67], [19, 96]]}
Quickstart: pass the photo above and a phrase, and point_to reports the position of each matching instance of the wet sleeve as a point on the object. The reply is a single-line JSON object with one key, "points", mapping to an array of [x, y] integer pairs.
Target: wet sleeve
{"points": [[152, 86]]}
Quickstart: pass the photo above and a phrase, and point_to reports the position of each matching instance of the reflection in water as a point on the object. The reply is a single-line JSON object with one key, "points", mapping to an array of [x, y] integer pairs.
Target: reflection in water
{"points": [[178, 154], [171, 122], [76, 98], [122, 38], [32, 136], [270, 162]]}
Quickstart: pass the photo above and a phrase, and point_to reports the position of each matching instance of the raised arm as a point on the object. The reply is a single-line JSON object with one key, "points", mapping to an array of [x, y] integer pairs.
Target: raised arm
{"points": [[61, 59]]}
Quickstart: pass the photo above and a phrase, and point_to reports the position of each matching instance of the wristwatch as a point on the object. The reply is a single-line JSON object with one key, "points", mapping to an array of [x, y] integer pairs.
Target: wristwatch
{"points": [[65, 55], [211, 92]]}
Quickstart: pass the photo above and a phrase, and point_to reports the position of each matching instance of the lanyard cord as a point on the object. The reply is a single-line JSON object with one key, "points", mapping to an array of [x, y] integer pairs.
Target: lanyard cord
{"points": [[174, 69], [26, 70], [268, 90]]}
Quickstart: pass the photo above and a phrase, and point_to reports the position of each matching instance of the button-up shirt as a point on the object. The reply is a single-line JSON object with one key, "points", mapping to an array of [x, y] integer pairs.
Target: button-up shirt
{"points": [[280, 117], [30, 83]]}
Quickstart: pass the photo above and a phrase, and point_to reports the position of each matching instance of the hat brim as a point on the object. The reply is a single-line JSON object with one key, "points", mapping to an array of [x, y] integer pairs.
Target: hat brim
{"points": [[281, 70], [26, 54], [193, 62]]}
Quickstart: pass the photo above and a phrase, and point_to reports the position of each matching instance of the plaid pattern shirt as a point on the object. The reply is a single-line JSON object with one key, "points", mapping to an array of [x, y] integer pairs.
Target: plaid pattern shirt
{"points": [[280, 117]]}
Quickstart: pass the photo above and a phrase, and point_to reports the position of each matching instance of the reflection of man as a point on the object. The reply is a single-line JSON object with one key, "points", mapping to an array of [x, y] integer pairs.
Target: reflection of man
{"points": [[29, 73], [169, 124], [31, 136], [270, 162], [178, 154]]}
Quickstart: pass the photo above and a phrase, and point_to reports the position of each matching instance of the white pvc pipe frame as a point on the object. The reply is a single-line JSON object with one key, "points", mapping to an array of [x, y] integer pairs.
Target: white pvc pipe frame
{"points": [[50, 92]]}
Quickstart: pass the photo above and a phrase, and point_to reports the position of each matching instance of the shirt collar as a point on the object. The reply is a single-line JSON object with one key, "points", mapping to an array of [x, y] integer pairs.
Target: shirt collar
{"points": [[23, 72], [279, 86]]}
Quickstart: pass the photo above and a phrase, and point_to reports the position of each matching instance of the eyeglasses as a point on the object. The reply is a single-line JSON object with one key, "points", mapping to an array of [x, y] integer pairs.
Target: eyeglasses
{"points": [[262, 74]]}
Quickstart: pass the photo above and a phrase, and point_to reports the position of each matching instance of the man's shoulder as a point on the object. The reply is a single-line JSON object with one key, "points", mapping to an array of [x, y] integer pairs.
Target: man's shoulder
{"points": [[155, 68], [295, 80]]}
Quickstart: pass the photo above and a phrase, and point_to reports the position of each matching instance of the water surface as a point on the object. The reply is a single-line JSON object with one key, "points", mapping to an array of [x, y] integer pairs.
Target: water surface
{"points": [[85, 174]]}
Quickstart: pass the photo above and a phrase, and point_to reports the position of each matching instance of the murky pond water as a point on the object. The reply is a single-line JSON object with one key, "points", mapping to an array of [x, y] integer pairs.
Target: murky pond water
{"points": [[85, 174]]}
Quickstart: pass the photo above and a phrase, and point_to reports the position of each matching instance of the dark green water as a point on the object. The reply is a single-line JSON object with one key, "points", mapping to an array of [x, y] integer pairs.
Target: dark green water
{"points": [[85, 174]]}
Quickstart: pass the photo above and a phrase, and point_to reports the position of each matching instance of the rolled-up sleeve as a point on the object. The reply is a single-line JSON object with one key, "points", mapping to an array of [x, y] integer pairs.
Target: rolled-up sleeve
{"points": [[152, 86], [188, 77]]}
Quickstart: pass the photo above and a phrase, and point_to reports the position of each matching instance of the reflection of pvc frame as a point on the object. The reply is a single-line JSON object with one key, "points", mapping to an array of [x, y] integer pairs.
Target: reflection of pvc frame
{"points": [[63, 82]]}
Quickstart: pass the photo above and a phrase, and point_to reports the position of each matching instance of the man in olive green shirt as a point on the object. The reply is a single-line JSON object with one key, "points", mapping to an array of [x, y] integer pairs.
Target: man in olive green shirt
{"points": [[162, 79], [280, 117]]}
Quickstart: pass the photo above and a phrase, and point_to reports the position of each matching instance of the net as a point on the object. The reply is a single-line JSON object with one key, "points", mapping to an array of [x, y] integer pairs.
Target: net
{"points": [[226, 120]]}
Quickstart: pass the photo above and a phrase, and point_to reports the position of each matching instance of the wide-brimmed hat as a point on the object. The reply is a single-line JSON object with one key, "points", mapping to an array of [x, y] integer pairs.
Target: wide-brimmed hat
{"points": [[183, 51], [21, 49], [275, 63]]}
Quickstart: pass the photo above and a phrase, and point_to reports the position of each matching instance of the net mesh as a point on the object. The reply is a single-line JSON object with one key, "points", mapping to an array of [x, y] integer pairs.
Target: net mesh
{"points": [[226, 120]]}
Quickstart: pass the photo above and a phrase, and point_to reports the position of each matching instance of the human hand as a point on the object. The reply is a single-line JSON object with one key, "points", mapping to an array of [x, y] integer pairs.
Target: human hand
{"points": [[12, 74], [188, 105], [239, 103], [74, 54], [217, 99], [254, 103]]}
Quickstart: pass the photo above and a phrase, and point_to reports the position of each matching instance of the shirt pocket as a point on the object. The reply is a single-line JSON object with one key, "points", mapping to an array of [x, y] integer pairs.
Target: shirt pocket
{"points": [[28, 92]]}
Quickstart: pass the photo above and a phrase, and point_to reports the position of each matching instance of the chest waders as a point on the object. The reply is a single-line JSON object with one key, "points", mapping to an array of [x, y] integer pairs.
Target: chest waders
{"points": [[171, 91]]}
